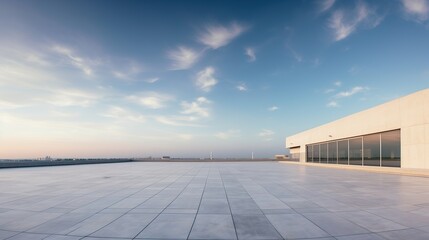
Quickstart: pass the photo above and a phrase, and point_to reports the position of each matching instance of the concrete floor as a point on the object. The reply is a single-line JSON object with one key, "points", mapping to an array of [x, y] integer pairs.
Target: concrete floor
{"points": [[265, 200]]}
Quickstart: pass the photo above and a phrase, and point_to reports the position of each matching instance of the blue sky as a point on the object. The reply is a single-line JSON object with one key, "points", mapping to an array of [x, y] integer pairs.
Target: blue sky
{"points": [[184, 78]]}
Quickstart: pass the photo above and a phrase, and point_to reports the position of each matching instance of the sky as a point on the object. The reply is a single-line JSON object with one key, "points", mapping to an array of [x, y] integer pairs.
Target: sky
{"points": [[186, 78]]}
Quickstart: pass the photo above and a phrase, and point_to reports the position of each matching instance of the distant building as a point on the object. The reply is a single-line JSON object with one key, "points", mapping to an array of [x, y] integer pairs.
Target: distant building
{"points": [[394, 134]]}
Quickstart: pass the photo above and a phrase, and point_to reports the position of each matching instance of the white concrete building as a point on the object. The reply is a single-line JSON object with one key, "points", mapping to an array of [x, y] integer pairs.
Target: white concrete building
{"points": [[394, 134]]}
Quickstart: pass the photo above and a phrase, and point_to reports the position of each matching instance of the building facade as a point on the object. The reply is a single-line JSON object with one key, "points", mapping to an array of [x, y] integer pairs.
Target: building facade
{"points": [[394, 134]]}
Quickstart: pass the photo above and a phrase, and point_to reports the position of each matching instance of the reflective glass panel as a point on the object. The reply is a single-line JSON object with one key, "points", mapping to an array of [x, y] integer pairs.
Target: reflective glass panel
{"points": [[323, 153], [355, 151], [332, 152], [309, 153], [371, 150], [316, 153], [343, 152], [391, 149]]}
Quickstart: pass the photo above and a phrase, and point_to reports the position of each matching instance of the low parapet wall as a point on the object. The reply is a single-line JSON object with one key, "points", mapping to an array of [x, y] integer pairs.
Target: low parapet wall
{"points": [[44, 163]]}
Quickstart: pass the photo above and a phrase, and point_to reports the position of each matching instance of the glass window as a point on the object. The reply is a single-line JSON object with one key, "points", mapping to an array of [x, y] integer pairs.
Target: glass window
{"points": [[323, 153], [343, 152], [309, 153], [371, 150], [391, 149], [316, 153], [332, 152], [355, 151]]}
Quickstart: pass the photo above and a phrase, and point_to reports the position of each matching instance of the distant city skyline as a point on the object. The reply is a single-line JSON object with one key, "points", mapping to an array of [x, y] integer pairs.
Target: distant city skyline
{"points": [[187, 78]]}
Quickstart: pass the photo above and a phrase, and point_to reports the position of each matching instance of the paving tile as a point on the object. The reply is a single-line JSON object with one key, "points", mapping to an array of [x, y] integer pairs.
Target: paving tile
{"points": [[169, 226], [92, 224], [6, 234], [214, 205], [334, 225], [30, 221], [402, 217], [413, 234], [127, 226], [369, 236], [371, 222], [254, 227], [292, 226], [28, 236], [61, 237], [213, 226], [60, 224]]}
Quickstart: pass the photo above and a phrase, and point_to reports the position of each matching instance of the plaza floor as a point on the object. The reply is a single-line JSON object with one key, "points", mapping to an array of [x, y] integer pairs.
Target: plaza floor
{"points": [[245, 200]]}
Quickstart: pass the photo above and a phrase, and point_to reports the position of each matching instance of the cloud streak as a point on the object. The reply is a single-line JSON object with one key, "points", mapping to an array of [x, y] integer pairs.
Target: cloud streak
{"points": [[351, 92], [216, 36], [152, 100], [344, 22], [183, 58], [206, 79], [250, 53]]}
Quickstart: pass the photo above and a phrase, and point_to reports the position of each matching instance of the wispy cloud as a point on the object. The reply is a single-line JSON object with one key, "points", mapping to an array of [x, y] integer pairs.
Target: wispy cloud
{"points": [[417, 9], [228, 134], [120, 113], [337, 83], [129, 72], [152, 80], [242, 87], [183, 58], [152, 100], [351, 92], [178, 121], [216, 36], [344, 22], [74, 59], [298, 57], [197, 107], [250, 53], [325, 5], [273, 108], [266, 134], [206, 80], [332, 104]]}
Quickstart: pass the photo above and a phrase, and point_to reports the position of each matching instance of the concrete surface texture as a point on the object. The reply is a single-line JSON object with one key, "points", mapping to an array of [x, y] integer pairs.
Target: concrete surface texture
{"points": [[263, 200]]}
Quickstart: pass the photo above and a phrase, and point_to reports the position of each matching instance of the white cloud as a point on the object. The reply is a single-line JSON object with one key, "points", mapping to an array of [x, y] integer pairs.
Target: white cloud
{"points": [[123, 114], [183, 58], [185, 136], [343, 22], [74, 59], [152, 80], [418, 9], [228, 134], [242, 87], [129, 73], [197, 107], [151, 100], [351, 92], [187, 121], [273, 108], [325, 5], [216, 36], [266, 134], [250, 53], [205, 79], [332, 104], [337, 83]]}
